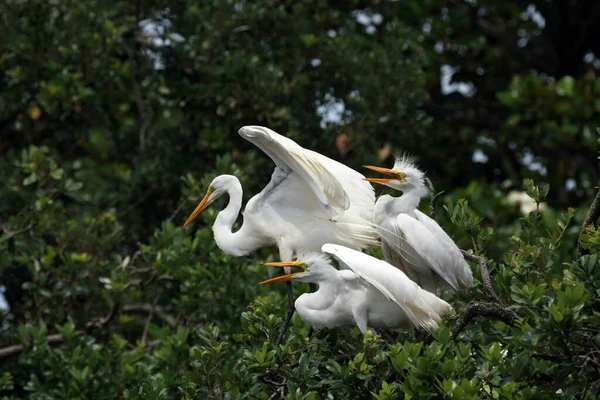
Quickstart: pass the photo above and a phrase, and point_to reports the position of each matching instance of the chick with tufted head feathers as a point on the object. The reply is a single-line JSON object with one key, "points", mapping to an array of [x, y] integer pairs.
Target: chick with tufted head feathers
{"points": [[310, 200], [405, 176], [365, 291], [411, 240]]}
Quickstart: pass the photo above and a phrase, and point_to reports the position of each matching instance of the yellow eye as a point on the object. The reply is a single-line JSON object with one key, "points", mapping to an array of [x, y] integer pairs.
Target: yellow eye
{"points": [[401, 176]]}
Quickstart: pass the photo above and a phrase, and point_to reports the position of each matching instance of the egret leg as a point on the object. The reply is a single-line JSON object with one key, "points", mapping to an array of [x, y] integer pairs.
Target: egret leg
{"points": [[387, 336], [313, 288], [290, 313]]}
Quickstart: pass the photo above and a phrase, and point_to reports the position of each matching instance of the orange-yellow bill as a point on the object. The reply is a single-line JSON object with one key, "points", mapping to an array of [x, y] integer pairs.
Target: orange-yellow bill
{"points": [[285, 264], [377, 180], [386, 171], [199, 209], [296, 264], [279, 279]]}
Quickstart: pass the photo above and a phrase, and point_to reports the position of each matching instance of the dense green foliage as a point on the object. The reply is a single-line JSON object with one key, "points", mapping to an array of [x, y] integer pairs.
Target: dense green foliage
{"points": [[115, 116]]}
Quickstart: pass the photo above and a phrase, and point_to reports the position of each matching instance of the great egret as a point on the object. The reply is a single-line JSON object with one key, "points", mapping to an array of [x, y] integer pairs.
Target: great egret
{"points": [[411, 240], [365, 291], [311, 200]]}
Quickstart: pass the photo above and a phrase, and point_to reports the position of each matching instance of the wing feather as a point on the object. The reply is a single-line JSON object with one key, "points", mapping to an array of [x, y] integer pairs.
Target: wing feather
{"points": [[390, 281], [335, 185], [427, 247], [459, 267]]}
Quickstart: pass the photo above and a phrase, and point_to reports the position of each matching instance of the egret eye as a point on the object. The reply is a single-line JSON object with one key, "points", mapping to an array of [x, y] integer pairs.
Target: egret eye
{"points": [[401, 176]]}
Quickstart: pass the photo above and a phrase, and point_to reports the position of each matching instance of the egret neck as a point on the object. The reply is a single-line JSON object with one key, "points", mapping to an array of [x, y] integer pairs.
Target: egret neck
{"points": [[238, 243], [390, 205]]}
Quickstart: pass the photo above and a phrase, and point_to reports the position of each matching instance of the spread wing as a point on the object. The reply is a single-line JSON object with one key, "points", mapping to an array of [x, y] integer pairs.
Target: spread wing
{"points": [[335, 185]]}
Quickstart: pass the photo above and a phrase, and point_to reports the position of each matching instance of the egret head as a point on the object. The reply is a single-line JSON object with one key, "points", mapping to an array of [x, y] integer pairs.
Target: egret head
{"points": [[314, 268], [404, 175], [216, 189]]}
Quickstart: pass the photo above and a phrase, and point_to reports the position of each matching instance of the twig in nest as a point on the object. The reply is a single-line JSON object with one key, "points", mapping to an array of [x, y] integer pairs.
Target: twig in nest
{"points": [[591, 217]]}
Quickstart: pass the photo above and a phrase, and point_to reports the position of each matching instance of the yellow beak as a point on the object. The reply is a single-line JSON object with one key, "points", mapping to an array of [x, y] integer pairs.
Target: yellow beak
{"points": [[382, 170], [200, 207], [378, 180], [392, 172], [296, 264]]}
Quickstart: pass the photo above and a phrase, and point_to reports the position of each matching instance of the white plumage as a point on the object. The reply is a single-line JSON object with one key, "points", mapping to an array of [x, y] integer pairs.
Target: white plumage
{"points": [[367, 292], [310, 200], [411, 240]]}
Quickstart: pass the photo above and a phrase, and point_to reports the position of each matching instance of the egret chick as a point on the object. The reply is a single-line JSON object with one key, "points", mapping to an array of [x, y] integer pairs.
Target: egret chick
{"points": [[366, 292], [411, 240], [311, 200]]}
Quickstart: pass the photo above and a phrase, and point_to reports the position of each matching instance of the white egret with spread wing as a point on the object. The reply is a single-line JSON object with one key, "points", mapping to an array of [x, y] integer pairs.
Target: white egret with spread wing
{"points": [[311, 200], [411, 240], [365, 291]]}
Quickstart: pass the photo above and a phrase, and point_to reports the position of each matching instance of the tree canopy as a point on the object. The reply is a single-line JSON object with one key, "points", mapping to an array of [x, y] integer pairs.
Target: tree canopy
{"points": [[115, 116]]}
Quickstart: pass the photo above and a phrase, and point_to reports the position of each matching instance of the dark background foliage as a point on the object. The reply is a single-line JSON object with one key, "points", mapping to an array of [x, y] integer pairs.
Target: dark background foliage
{"points": [[116, 115]]}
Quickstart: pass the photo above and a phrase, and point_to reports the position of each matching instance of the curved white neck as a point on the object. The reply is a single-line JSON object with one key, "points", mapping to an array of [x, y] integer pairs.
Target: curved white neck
{"points": [[246, 239], [389, 205], [409, 200], [322, 298]]}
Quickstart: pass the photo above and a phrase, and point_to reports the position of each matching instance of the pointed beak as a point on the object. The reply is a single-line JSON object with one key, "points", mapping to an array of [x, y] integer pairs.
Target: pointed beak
{"points": [[279, 278], [392, 172], [382, 170], [201, 206], [288, 264], [378, 180], [295, 264]]}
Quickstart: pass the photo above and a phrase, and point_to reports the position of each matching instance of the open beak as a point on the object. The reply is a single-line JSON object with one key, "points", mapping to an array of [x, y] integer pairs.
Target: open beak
{"points": [[201, 206], [295, 264], [382, 170], [378, 180], [397, 175]]}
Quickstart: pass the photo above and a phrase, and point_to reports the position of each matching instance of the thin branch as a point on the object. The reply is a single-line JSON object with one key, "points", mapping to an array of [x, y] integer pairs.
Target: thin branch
{"points": [[151, 345], [101, 322], [145, 309], [485, 276], [150, 314], [484, 309], [179, 207], [10, 233], [591, 217], [279, 391], [493, 309], [434, 197], [57, 338]]}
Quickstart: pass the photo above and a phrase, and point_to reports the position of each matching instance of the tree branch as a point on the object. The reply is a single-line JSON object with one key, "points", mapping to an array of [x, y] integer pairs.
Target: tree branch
{"points": [[99, 323], [591, 217], [492, 309], [485, 309], [56, 338], [146, 309], [434, 197], [485, 276], [10, 233]]}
